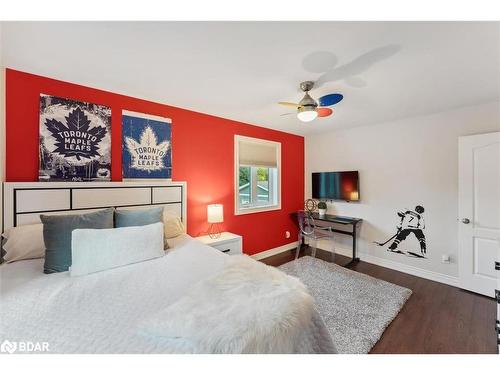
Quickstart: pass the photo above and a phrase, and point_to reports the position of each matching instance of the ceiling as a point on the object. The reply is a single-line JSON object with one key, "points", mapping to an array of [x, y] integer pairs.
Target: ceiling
{"points": [[239, 70]]}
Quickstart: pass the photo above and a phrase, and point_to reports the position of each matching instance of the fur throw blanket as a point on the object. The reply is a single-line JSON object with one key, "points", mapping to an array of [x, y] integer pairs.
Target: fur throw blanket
{"points": [[247, 308]]}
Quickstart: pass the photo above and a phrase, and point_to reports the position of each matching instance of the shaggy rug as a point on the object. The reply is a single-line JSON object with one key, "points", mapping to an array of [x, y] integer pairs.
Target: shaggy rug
{"points": [[356, 308]]}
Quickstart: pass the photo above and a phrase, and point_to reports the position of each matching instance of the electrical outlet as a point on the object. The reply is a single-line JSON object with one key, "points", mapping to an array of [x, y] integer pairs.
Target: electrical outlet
{"points": [[287, 234], [445, 258]]}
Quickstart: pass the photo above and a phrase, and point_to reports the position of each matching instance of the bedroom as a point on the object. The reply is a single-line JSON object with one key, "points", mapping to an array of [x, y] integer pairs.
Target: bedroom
{"points": [[250, 187]]}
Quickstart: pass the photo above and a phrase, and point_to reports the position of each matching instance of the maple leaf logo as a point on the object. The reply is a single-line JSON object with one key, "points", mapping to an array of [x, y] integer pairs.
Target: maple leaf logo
{"points": [[147, 154], [76, 138]]}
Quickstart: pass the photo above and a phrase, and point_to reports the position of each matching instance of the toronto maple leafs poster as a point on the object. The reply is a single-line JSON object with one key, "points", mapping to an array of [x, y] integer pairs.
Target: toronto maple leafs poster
{"points": [[75, 140], [146, 146]]}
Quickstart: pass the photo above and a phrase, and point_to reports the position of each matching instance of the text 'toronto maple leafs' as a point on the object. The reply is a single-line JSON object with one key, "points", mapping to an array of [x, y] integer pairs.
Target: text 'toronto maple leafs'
{"points": [[76, 138], [147, 155]]}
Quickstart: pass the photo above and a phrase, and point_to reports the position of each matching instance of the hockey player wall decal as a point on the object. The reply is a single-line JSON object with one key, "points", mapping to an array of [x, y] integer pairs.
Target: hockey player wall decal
{"points": [[411, 221]]}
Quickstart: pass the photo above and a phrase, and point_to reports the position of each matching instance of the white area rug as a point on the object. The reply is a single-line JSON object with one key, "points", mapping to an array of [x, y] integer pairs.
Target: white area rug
{"points": [[356, 308]]}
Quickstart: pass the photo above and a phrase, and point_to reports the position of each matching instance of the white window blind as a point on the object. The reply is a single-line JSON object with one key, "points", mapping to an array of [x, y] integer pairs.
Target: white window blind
{"points": [[258, 153]]}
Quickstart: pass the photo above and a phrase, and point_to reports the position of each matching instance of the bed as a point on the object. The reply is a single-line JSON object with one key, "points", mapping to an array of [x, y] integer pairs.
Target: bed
{"points": [[124, 310]]}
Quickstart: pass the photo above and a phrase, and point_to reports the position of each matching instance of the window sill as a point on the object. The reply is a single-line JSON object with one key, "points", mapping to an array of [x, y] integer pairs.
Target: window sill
{"points": [[254, 210]]}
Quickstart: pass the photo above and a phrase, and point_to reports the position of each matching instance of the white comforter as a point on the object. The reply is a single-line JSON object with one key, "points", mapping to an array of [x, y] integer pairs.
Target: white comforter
{"points": [[105, 312]]}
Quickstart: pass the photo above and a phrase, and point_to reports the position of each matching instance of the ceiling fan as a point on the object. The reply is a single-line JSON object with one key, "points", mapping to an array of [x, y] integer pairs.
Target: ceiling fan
{"points": [[308, 108]]}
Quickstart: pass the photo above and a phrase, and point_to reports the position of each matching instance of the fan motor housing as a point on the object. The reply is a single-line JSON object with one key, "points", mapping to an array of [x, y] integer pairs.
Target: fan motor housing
{"points": [[308, 102], [306, 85]]}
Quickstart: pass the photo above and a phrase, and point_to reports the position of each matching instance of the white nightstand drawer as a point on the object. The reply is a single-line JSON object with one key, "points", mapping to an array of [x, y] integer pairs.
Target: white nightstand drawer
{"points": [[226, 242], [230, 248]]}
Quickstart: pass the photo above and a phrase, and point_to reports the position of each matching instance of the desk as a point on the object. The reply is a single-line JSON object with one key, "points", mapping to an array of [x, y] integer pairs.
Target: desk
{"points": [[351, 222]]}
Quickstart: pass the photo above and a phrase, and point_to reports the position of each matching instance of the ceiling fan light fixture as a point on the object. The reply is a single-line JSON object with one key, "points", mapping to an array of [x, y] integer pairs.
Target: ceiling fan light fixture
{"points": [[309, 109], [307, 114]]}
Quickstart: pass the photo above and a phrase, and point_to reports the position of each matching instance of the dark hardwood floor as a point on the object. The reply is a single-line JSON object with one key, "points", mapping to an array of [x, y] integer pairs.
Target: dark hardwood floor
{"points": [[437, 318]]}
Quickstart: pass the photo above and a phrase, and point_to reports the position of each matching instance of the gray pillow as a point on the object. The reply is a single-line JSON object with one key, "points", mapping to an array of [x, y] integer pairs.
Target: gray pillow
{"points": [[136, 218], [57, 235]]}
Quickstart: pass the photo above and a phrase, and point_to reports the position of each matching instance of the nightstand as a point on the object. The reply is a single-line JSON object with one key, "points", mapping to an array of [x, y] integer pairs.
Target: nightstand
{"points": [[228, 243]]}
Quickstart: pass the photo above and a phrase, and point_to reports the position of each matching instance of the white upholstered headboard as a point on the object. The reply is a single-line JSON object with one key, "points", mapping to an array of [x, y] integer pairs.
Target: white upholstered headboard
{"points": [[23, 202]]}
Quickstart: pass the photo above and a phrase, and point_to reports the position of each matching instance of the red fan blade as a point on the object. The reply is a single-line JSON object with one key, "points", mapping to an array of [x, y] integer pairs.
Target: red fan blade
{"points": [[324, 112]]}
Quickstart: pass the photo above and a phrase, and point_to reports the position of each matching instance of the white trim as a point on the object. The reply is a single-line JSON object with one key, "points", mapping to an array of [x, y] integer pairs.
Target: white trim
{"points": [[396, 266], [253, 210], [274, 251], [146, 116], [415, 271], [250, 210]]}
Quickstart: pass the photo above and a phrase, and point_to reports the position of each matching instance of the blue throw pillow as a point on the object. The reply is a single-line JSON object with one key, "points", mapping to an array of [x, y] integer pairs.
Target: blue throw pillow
{"points": [[136, 218], [57, 235]]}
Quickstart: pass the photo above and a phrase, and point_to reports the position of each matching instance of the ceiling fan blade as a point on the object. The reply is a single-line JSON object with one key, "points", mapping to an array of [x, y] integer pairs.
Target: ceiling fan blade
{"points": [[288, 104], [287, 114], [324, 112], [330, 99]]}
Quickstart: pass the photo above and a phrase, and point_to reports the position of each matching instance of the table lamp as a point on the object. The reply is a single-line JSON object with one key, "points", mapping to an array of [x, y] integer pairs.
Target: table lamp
{"points": [[215, 215]]}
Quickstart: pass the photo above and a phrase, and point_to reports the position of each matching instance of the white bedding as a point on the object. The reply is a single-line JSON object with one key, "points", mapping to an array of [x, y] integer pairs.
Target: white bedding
{"points": [[102, 312]]}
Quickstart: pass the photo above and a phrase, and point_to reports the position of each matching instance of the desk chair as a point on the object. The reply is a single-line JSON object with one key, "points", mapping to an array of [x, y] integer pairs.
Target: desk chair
{"points": [[309, 229]]}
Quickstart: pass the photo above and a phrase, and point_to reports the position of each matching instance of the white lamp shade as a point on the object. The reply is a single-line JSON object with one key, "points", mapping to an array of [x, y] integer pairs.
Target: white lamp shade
{"points": [[215, 213]]}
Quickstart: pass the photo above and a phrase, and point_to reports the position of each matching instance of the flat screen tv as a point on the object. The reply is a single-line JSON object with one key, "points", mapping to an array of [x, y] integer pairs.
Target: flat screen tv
{"points": [[336, 185]]}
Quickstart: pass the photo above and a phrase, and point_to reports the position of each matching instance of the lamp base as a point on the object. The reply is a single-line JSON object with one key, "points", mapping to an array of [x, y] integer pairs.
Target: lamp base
{"points": [[214, 230]]}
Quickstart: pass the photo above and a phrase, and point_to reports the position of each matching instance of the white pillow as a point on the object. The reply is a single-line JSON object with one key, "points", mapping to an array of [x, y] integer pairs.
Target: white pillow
{"points": [[95, 250], [173, 225], [24, 242]]}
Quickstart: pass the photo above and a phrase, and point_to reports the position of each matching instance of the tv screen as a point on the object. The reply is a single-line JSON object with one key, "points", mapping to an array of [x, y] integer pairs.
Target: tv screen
{"points": [[336, 185]]}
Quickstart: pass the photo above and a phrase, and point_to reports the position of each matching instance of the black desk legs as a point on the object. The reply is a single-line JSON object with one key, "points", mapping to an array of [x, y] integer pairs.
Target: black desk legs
{"points": [[354, 242], [354, 259]]}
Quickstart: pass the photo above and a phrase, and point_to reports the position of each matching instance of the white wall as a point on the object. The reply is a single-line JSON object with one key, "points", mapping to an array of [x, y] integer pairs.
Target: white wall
{"points": [[402, 164]]}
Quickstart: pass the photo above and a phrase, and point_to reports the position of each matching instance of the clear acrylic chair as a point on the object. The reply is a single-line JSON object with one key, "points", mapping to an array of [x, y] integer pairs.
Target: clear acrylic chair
{"points": [[310, 230]]}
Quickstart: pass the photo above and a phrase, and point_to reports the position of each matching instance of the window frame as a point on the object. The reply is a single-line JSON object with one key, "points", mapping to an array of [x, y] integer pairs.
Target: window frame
{"points": [[238, 210]]}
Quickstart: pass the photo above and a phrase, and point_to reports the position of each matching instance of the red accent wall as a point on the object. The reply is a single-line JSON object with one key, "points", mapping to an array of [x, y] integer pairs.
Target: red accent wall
{"points": [[202, 155]]}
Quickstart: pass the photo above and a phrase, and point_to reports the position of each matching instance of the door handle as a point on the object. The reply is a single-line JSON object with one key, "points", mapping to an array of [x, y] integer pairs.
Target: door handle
{"points": [[465, 220]]}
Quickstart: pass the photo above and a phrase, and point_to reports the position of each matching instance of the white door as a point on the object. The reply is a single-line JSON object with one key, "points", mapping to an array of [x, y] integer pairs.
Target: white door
{"points": [[479, 212]]}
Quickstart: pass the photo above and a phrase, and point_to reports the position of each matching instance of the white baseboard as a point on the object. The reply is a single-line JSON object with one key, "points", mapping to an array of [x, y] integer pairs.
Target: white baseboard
{"points": [[415, 271], [276, 250], [401, 267]]}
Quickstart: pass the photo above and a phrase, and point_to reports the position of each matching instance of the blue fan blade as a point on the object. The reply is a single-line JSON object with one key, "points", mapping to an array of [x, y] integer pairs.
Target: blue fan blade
{"points": [[330, 99]]}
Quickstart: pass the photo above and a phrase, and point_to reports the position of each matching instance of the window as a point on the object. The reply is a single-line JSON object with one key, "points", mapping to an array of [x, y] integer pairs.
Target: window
{"points": [[257, 172]]}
